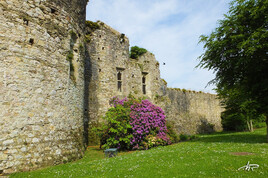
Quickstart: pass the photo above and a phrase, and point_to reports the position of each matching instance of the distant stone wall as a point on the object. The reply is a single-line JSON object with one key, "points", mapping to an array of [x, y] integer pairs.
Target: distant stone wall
{"points": [[192, 112], [41, 93]]}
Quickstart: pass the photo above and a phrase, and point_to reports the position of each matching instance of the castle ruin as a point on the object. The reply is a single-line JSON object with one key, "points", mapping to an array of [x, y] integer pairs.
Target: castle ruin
{"points": [[55, 80]]}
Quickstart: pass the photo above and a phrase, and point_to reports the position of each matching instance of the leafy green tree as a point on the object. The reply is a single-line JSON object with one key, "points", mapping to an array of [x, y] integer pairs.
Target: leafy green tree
{"points": [[237, 52]]}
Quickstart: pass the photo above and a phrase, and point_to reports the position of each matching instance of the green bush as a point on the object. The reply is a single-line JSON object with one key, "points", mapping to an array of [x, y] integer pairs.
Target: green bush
{"points": [[193, 137], [184, 137], [136, 51], [117, 130], [151, 141]]}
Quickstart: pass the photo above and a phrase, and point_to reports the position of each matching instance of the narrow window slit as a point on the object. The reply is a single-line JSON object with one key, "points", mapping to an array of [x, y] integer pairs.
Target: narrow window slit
{"points": [[144, 85], [53, 11], [31, 41], [119, 81], [25, 21]]}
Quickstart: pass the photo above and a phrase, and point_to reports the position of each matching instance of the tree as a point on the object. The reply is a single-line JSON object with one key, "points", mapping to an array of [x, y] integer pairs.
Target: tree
{"points": [[237, 53]]}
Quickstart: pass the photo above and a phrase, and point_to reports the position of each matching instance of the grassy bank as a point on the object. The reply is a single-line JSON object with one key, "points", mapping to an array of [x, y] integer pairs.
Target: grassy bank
{"points": [[215, 155]]}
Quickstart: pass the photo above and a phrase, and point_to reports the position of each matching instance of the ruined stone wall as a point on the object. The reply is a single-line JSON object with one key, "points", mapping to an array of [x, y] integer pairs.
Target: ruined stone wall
{"points": [[41, 93], [192, 112], [109, 55], [108, 51]]}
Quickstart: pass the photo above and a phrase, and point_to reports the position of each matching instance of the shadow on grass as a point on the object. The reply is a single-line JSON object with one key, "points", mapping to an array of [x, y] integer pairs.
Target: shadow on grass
{"points": [[234, 137]]}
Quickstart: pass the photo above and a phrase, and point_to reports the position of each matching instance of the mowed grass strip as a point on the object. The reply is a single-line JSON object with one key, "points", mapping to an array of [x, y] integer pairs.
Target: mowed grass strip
{"points": [[214, 155]]}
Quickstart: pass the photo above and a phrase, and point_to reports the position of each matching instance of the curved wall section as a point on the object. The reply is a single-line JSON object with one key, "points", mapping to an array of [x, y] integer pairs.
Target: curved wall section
{"points": [[41, 83]]}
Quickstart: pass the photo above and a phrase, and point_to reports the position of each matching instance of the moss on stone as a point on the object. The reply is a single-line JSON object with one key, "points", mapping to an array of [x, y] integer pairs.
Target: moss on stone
{"points": [[165, 82], [87, 38], [140, 66], [70, 56], [54, 29], [92, 25]]}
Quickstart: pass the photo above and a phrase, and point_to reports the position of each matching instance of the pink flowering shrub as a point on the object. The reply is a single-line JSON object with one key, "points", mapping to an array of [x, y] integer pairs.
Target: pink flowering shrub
{"points": [[134, 124], [147, 119]]}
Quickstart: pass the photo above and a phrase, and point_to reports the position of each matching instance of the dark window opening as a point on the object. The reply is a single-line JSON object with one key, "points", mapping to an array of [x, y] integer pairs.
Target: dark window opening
{"points": [[119, 86], [75, 50], [31, 41], [100, 36], [144, 89], [99, 70], [53, 11], [144, 85], [102, 48], [98, 58], [143, 80], [25, 21], [119, 81], [119, 76]]}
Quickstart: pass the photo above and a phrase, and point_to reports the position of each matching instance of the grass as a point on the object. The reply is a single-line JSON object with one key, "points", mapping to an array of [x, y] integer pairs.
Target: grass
{"points": [[208, 156]]}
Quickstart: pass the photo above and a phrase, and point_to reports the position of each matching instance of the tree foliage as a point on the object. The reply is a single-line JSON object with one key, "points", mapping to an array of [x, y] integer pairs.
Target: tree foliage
{"points": [[237, 52]]}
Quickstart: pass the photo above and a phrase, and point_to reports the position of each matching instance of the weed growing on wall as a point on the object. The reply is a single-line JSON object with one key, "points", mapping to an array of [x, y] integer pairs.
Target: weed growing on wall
{"points": [[136, 51]]}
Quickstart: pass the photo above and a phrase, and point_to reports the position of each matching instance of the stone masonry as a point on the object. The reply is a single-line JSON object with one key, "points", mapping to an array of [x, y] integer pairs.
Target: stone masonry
{"points": [[41, 93]]}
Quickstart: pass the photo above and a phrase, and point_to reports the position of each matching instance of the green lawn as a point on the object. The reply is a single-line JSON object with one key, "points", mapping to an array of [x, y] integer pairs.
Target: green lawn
{"points": [[208, 156]]}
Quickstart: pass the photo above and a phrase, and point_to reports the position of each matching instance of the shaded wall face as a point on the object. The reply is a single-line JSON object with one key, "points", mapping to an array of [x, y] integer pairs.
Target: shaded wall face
{"points": [[41, 93], [192, 112]]}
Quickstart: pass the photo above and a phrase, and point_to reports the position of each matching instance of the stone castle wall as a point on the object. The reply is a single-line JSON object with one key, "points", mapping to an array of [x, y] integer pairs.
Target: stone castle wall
{"points": [[41, 93], [109, 55], [191, 112]]}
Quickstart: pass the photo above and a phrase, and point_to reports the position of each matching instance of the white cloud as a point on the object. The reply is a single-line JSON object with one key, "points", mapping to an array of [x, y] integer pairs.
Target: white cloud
{"points": [[170, 29]]}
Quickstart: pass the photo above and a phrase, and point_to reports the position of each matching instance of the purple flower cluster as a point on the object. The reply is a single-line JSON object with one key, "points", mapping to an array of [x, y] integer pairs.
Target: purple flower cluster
{"points": [[146, 119], [116, 101]]}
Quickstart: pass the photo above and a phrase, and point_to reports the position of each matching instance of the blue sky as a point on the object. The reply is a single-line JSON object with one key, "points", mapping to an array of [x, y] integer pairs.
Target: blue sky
{"points": [[168, 28]]}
